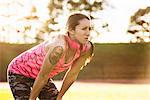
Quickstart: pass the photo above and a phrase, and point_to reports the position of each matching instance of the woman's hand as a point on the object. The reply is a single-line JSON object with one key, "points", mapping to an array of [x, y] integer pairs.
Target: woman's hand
{"points": [[59, 98], [32, 99]]}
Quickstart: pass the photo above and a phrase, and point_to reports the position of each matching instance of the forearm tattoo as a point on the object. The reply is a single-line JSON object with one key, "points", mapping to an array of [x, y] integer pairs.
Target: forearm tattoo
{"points": [[55, 55]]}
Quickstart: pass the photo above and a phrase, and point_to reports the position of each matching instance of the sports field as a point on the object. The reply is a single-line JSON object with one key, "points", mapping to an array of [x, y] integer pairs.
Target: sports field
{"points": [[95, 91]]}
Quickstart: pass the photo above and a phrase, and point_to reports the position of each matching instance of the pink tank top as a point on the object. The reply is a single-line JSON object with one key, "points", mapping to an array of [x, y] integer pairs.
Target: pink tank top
{"points": [[29, 63]]}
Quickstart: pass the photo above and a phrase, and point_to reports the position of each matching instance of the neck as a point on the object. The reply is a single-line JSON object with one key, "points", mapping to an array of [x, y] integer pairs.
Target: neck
{"points": [[73, 43], [73, 38]]}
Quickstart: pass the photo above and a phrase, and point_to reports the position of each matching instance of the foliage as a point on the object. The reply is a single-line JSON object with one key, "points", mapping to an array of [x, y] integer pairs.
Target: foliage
{"points": [[30, 21], [140, 25], [61, 8]]}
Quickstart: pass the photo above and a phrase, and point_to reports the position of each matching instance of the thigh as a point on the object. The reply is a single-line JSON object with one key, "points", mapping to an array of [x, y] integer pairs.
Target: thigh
{"points": [[20, 86], [49, 91]]}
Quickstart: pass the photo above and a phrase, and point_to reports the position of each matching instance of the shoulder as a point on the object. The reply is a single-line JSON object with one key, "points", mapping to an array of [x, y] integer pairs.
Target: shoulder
{"points": [[90, 45], [55, 42], [88, 49], [91, 50]]}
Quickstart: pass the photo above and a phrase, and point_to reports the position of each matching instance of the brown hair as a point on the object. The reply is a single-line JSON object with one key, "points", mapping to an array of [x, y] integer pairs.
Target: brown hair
{"points": [[74, 19]]}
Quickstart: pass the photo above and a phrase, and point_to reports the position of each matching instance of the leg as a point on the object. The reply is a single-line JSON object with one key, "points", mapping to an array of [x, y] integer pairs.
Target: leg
{"points": [[20, 86], [49, 91]]}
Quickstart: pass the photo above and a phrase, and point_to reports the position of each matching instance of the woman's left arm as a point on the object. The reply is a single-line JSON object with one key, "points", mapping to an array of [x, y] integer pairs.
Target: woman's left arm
{"points": [[72, 74]]}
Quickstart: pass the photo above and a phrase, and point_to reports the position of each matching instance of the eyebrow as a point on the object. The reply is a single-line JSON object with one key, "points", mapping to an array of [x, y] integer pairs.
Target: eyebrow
{"points": [[83, 26], [86, 27]]}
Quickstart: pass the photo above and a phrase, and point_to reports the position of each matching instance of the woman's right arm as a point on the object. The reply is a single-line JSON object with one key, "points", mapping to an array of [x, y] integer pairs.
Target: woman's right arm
{"points": [[51, 59]]}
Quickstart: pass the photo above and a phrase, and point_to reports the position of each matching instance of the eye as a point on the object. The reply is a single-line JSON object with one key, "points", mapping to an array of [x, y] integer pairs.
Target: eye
{"points": [[90, 28], [85, 28]]}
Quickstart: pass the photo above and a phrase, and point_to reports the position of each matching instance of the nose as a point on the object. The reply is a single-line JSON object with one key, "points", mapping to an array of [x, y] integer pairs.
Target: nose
{"points": [[87, 32]]}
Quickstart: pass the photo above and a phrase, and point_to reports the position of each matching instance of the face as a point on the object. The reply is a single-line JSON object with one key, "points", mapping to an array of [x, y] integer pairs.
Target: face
{"points": [[82, 31]]}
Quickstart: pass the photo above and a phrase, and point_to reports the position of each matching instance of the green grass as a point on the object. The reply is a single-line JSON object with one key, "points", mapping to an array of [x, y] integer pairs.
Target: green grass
{"points": [[95, 91], [5, 94]]}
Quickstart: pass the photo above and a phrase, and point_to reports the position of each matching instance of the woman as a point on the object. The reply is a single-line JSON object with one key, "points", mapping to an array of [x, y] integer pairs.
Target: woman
{"points": [[30, 74]]}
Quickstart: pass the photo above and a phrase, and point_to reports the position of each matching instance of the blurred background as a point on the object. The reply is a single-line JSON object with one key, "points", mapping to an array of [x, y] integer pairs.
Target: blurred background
{"points": [[120, 33]]}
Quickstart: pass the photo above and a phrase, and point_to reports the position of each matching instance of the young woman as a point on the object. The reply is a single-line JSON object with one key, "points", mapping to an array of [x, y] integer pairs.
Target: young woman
{"points": [[30, 74]]}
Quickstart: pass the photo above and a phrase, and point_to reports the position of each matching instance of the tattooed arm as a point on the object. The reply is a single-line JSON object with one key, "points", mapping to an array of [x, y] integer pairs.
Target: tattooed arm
{"points": [[52, 57]]}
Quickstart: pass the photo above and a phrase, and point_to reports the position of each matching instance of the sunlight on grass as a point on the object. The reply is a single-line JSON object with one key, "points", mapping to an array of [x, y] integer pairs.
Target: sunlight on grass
{"points": [[5, 94], [108, 92], [96, 91]]}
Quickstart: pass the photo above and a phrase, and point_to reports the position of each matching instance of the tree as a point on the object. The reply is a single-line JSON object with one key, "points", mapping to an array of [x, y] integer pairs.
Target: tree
{"points": [[140, 25], [61, 8], [31, 28]]}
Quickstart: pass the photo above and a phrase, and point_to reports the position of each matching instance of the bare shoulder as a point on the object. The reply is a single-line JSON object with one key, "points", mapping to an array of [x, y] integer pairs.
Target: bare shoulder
{"points": [[90, 45], [90, 49], [55, 42]]}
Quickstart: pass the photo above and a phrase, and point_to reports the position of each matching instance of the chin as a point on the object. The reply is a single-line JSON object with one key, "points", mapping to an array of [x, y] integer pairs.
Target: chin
{"points": [[84, 42]]}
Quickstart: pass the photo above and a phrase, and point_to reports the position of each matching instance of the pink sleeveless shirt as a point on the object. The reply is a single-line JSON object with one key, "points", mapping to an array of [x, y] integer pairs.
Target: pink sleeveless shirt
{"points": [[29, 63]]}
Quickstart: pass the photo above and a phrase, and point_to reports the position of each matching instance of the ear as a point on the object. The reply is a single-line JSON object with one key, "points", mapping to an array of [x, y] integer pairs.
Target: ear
{"points": [[71, 32]]}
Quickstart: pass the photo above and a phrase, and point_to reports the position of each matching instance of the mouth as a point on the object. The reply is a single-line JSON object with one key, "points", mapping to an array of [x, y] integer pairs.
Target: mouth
{"points": [[86, 38]]}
